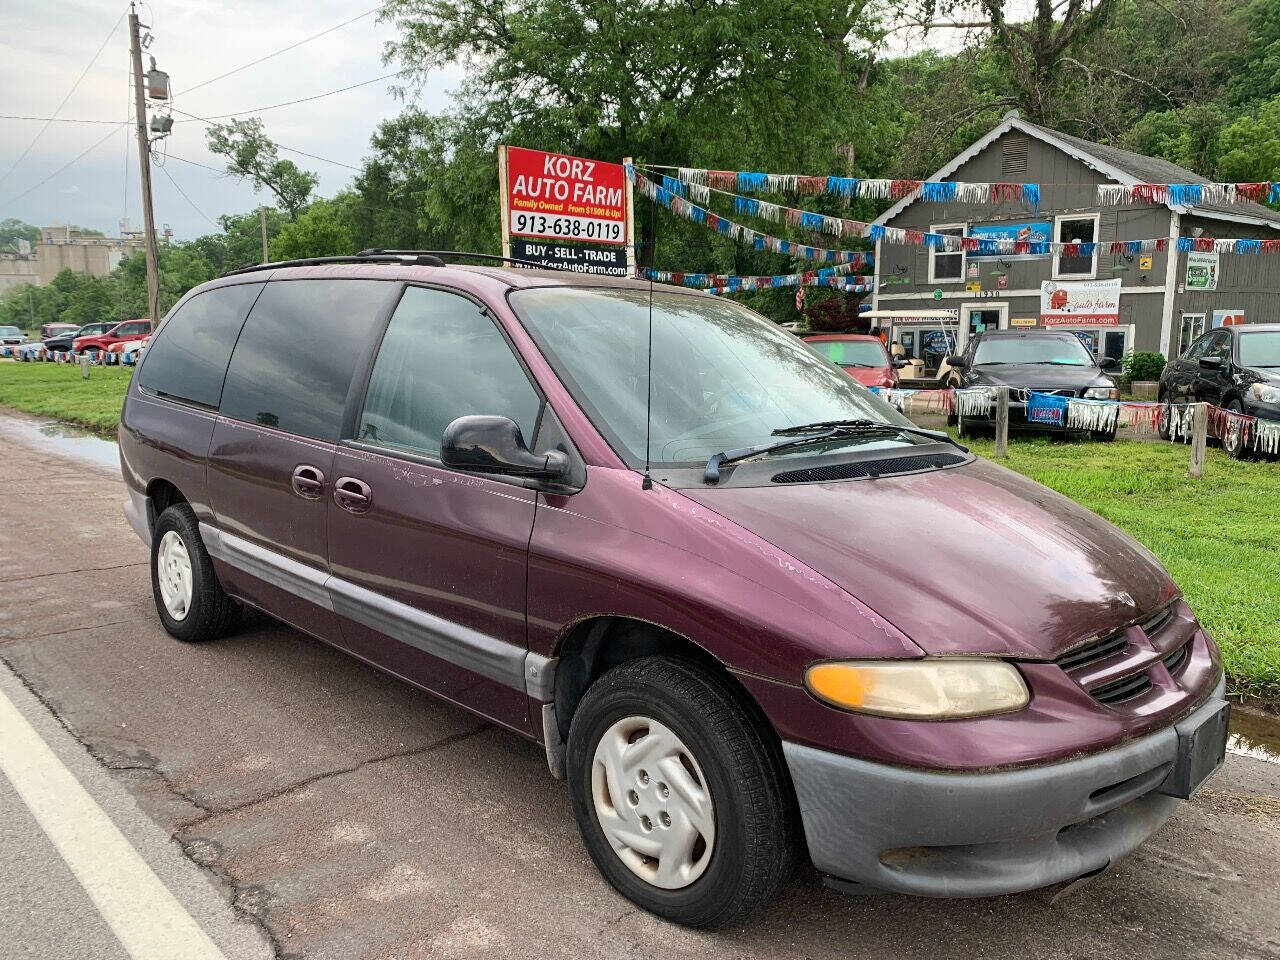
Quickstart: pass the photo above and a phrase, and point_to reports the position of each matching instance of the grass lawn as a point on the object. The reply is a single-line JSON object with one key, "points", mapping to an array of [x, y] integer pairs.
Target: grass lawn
{"points": [[1219, 536], [58, 390]]}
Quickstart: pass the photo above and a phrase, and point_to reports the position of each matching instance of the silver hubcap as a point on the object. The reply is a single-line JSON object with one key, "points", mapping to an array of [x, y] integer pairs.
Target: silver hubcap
{"points": [[173, 571], [653, 802]]}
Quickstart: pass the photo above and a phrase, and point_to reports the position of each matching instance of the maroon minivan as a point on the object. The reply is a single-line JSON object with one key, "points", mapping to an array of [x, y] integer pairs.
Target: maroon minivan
{"points": [[695, 589]]}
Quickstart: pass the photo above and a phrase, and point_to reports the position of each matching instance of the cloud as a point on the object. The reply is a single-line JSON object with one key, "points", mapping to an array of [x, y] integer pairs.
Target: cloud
{"points": [[45, 47]]}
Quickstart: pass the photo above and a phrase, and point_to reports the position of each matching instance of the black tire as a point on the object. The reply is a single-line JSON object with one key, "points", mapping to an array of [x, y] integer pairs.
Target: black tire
{"points": [[1102, 436], [755, 839], [212, 613], [967, 429], [1237, 449]]}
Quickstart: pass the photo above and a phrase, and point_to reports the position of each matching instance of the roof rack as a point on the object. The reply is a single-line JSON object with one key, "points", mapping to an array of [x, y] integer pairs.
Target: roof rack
{"points": [[420, 258]]}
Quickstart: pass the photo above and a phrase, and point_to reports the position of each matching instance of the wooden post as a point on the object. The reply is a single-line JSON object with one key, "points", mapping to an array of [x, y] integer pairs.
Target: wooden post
{"points": [[1199, 435], [1002, 421], [504, 210], [84, 365], [630, 210], [262, 227]]}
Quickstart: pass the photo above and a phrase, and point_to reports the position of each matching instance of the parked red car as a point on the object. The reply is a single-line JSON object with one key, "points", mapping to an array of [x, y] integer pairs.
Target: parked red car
{"points": [[862, 357], [120, 333]]}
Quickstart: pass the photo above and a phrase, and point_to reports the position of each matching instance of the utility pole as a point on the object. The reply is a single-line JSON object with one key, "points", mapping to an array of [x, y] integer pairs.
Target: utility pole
{"points": [[144, 165], [262, 225]]}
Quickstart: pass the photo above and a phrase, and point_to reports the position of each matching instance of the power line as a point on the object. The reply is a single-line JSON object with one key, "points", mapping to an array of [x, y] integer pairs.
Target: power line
{"points": [[74, 86], [48, 120], [195, 163], [184, 195], [337, 163], [318, 96], [292, 46], [69, 163]]}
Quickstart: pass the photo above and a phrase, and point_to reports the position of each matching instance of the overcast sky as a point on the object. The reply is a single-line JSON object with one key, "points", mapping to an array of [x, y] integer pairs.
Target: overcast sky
{"points": [[45, 46]]}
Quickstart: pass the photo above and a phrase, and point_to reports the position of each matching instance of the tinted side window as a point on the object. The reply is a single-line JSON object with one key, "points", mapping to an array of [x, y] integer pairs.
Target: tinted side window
{"points": [[442, 359], [188, 359], [293, 363], [1221, 346], [1200, 347]]}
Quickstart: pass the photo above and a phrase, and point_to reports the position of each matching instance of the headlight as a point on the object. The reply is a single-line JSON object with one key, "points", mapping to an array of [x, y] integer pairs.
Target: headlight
{"points": [[1102, 393], [931, 689], [1264, 393]]}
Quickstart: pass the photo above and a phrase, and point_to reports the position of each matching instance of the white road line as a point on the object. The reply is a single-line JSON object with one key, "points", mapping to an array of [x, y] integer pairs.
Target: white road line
{"points": [[146, 918]]}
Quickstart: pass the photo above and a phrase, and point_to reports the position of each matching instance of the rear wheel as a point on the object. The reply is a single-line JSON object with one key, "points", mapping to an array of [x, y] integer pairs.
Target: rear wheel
{"points": [[966, 427], [189, 599], [681, 797]]}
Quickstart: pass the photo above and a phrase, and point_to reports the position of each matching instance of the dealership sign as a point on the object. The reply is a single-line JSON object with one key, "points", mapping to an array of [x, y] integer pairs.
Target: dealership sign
{"points": [[1080, 303], [556, 197]]}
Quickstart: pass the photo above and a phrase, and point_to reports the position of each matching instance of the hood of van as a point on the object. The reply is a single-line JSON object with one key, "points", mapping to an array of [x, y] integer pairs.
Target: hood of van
{"points": [[972, 559]]}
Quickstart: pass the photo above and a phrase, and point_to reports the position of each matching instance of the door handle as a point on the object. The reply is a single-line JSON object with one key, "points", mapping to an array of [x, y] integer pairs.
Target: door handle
{"points": [[352, 495], [308, 481]]}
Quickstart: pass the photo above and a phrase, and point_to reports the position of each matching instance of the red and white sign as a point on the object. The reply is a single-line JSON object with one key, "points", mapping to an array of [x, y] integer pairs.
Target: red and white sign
{"points": [[558, 197], [1080, 303]]}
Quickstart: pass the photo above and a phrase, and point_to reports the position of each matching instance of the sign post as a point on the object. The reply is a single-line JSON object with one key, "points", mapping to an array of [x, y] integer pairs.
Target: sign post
{"points": [[565, 213]]}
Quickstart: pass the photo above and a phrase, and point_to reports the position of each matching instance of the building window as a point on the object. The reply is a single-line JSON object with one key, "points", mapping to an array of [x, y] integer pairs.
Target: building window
{"points": [[1076, 229], [947, 267], [1192, 327]]}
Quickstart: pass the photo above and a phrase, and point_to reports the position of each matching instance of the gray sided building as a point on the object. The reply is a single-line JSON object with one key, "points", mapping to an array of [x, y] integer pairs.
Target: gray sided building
{"points": [[1166, 298]]}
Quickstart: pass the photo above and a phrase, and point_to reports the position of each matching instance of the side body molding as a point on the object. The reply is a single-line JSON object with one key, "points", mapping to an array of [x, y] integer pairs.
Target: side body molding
{"points": [[498, 660]]}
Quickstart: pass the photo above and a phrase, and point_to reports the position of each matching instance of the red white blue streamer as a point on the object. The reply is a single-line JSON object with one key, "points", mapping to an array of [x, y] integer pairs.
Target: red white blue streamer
{"points": [[950, 191], [836, 277]]}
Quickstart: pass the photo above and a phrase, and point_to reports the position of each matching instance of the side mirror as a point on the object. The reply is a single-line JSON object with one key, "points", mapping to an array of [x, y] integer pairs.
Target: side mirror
{"points": [[1109, 363], [957, 363], [1211, 363], [486, 444]]}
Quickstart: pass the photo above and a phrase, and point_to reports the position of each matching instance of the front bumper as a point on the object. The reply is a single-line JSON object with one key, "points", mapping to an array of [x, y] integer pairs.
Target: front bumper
{"points": [[984, 834]]}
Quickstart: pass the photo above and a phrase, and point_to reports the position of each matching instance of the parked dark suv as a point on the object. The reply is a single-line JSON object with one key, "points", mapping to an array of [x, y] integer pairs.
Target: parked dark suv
{"points": [[683, 587], [1237, 368], [1031, 361]]}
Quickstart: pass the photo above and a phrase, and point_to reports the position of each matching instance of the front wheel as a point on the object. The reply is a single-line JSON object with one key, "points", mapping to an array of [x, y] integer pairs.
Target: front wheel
{"points": [[681, 796], [189, 599], [1164, 426], [1233, 438]]}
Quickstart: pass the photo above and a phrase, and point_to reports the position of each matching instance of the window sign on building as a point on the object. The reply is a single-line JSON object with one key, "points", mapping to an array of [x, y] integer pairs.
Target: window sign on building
{"points": [[1030, 232]]}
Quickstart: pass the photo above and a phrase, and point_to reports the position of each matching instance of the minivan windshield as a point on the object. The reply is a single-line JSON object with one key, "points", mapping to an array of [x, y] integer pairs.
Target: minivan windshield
{"points": [[1065, 351], [1261, 349], [724, 377]]}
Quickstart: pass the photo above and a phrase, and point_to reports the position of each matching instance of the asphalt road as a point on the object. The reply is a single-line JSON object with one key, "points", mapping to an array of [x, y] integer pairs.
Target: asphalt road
{"points": [[333, 812]]}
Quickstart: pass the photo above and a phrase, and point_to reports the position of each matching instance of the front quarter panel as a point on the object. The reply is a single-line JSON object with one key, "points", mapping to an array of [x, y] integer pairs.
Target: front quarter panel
{"points": [[656, 556]]}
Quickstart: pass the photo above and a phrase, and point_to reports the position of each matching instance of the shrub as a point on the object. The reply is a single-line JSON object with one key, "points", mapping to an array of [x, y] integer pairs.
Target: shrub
{"points": [[1143, 366]]}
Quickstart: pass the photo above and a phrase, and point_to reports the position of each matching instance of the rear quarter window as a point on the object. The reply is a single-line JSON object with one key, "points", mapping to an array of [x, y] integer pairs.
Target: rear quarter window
{"points": [[292, 366], [188, 358]]}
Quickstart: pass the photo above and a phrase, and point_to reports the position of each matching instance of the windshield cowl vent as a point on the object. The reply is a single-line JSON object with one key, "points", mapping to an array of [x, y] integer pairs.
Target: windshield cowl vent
{"points": [[870, 469]]}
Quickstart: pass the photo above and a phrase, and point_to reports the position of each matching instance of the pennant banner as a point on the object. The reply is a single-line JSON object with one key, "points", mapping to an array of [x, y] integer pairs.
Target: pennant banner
{"points": [[950, 191], [836, 277], [680, 206]]}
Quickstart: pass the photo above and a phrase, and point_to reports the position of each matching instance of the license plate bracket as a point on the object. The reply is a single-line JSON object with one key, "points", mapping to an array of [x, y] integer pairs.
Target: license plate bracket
{"points": [[1202, 747]]}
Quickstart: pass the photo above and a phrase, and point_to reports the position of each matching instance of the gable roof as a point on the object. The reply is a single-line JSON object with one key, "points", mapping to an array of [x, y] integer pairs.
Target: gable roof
{"points": [[1121, 166]]}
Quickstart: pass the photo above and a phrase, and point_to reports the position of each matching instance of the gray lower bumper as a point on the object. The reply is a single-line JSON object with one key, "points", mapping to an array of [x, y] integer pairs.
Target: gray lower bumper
{"points": [[135, 511], [983, 834]]}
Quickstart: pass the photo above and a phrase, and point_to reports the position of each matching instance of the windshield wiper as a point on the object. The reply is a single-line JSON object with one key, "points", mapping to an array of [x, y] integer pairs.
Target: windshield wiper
{"points": [[820, 432]]}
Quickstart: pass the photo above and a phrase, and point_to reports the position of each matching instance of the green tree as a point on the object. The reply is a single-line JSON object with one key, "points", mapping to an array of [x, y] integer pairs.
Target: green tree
{"points": [[251, 155], [12, 230], [322, 230]]}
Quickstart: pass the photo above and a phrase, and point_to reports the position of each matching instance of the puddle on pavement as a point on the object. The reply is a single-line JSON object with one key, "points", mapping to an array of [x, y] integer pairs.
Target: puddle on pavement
{"points": [[73, 442], [1255, 735]]}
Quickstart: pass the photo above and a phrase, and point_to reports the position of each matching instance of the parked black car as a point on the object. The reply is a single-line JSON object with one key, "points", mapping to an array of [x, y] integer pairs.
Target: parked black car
{"points": [[63, 340], [1031, 361], [1237, 368]]}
